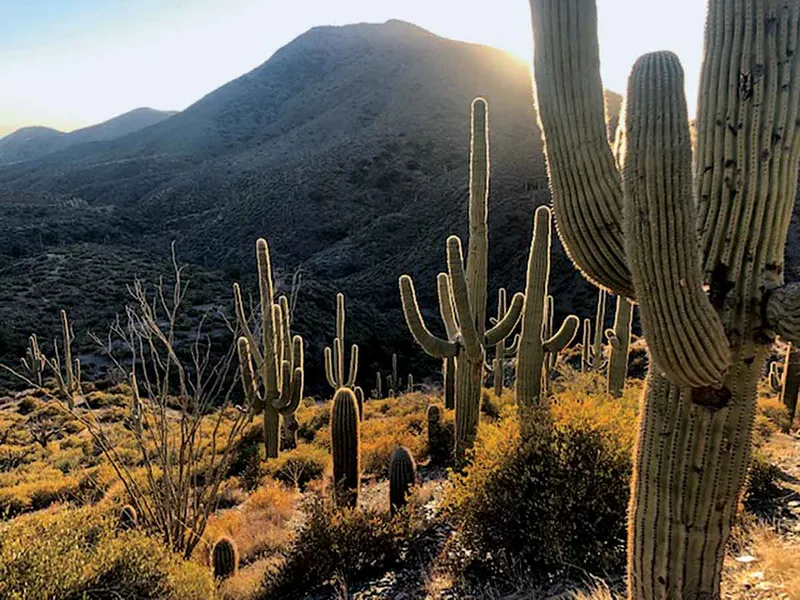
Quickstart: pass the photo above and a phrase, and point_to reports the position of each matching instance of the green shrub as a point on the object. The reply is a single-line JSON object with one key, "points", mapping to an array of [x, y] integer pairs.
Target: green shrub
{"points": [[77, 554], [557, 498], [300, 466], [348, 543], [774, 410]]}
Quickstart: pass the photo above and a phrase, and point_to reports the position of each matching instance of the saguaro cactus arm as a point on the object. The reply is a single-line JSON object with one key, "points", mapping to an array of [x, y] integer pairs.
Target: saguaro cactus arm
{"points": [[507, 323], [564, 336], [335, 363], [433, 345]]}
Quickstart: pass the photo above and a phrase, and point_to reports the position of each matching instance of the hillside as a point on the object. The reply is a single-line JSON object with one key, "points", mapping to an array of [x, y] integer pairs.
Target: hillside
{"points": [[30, 143], [348, 150]]}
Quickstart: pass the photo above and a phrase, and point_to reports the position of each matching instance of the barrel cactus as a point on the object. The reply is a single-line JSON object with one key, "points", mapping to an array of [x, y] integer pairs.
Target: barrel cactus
{"points": [[462, 296], [128, 518], [337, 371], [345, 447], [402, 477], [272, 366], [224, 558], [647, 225]]}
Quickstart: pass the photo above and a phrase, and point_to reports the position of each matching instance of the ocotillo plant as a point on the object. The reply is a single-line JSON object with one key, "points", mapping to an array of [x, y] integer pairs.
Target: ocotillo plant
{"points": [[449, 382], [791, 381], [634, 231], [335, 360], [619, 338], [502, 352], [224, 558], [402, 477], [462, 296], [345, 447], [275, 385], [533, 347], [593, 356]]}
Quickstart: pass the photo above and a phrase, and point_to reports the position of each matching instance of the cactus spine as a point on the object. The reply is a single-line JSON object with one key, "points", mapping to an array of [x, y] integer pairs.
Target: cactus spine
{"points": [[449, 382], [345, 447], [633, 231], [619, 338], [533, 347], [224, 558], [402, 477], [272, 367], [791, 381], [335, 361], [462, 296]]}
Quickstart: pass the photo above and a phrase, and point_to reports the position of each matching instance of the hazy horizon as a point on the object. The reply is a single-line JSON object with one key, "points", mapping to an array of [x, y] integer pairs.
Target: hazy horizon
{"points": [[68, 64]]}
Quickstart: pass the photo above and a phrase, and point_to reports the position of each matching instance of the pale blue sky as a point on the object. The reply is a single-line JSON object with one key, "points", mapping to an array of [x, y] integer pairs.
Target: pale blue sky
{"points": [[72, 63]]}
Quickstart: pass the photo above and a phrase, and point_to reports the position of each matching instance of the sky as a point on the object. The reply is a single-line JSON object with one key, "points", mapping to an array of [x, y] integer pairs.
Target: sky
{"points": [[71, 63]]}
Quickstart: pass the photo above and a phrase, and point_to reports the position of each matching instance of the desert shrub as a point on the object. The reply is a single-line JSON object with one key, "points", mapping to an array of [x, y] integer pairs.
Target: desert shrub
{"points": [[774, 410], [27, 405], [347, 544], [492, 406], [381, 436], [300, 466], [78, 554], [762, 479], [763, 429], [440, 445], [311, 420], [556, 498]]}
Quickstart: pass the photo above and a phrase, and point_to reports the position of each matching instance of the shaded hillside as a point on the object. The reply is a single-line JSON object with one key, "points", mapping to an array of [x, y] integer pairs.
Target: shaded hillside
{"points": [[30, 143], [348, 150]]}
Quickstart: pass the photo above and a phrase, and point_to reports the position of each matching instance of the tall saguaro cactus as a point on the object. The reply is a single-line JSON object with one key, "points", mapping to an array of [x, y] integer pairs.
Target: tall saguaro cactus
{"points": [[533, 347], [707, 349], [335, 362], [462, 296], [275, 385], [619, 338]]}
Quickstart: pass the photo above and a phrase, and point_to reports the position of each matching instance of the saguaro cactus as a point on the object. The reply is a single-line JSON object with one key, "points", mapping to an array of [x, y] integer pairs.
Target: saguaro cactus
{"points": [[593, 356], [502, 352], [462, 296], [707, 350], [378, 391], [224, 558], [449, 382], [34, 362], [393, 380], [360, 401], [775, 376], [402, 476], [619, 338], [533, 347], [275, 385], [335, 360], [345, 447], [791, 381]]}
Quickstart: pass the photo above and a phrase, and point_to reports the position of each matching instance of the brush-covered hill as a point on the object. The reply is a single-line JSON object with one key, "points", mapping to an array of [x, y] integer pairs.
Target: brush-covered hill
{"points": [[348, 149], [30, 143]]}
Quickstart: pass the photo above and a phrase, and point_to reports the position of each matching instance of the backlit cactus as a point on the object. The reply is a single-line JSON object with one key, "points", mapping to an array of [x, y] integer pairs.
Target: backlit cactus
{"points": [[128, 518], [224, 558], [402, 477], [336, 367], [533, 347], [360, 400], [462, 296], [393, 380], [619, 338], [790, 382], [502, 351], [593, 356], [410, 380], [629, 222], [272, 366], [775, 376], [34, 362], [346, 447], [449, 382], [377, 393]]}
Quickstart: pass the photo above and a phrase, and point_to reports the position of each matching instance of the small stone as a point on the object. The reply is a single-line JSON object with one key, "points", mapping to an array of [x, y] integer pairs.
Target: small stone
{"points": [[746, 559]]}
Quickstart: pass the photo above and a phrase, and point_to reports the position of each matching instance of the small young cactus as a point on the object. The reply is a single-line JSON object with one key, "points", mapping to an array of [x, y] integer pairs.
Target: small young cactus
{"points": [[128, 518], [335, 360], [402, 476], [345, 447], [224, 558], [410, 387]]}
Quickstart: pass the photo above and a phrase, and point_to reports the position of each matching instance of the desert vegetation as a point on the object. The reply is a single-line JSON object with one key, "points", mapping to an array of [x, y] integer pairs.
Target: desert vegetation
{"points": [[197, 466]]}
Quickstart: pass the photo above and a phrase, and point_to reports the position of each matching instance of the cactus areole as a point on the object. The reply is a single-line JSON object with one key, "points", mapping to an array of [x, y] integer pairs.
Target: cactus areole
{"points": [[648, 225]]}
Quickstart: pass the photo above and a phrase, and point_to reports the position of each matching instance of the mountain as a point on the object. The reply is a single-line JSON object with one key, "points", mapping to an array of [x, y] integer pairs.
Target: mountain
{"points": [[348, 150], [30, 143]]}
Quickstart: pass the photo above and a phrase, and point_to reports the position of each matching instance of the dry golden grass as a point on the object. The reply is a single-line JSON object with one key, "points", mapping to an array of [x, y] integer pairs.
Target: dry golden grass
{"points": [[773, 575]]}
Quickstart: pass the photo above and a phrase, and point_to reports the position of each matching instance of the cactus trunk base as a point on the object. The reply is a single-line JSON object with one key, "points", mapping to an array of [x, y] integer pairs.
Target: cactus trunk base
{"points": [[469, 379], [690, 466], [272, 422]]}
